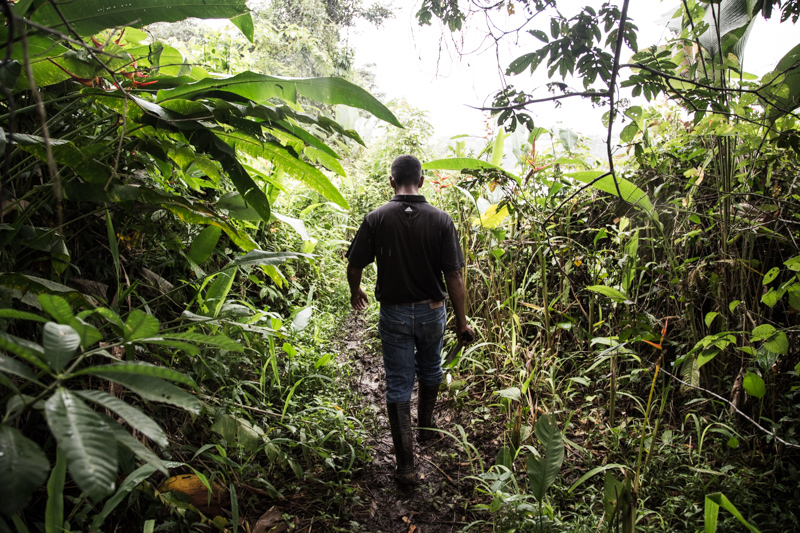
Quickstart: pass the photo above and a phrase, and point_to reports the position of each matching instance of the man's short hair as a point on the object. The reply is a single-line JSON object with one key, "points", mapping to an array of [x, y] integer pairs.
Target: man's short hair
{"points": [[406, 170]]}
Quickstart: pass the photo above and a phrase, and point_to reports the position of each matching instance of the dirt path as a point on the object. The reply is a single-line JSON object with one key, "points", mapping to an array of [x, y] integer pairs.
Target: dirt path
{"points": [[441, 501]]}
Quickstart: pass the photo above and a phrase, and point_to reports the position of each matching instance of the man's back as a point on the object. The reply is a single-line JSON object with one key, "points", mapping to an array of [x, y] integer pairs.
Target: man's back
{"points": [[413, 243]]}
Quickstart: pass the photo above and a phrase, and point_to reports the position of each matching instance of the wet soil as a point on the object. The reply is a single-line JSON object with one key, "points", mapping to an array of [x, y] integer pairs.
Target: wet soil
{"points": [[442, 501]]}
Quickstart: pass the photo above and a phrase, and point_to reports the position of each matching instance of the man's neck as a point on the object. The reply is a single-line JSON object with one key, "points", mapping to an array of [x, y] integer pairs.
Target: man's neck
{"points": [[407, 190]]}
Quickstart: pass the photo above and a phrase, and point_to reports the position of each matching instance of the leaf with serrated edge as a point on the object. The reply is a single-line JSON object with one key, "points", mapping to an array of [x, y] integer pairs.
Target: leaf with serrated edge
{"points": [[134, 417], [87, 441]]}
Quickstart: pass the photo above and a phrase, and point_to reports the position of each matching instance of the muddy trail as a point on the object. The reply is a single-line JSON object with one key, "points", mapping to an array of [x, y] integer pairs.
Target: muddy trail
{"points": [[443, 500]]}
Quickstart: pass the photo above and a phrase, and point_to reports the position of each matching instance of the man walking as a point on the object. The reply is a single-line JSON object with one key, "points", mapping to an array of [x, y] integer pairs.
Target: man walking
{"points": [[414, 244]]}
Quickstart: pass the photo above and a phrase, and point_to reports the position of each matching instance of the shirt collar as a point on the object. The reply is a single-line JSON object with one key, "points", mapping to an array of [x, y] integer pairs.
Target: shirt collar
{"points": [[412, 198]]}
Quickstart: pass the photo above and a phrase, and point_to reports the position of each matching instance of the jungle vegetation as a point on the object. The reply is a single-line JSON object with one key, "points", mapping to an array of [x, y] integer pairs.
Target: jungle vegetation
{"points": [[175, 204]]}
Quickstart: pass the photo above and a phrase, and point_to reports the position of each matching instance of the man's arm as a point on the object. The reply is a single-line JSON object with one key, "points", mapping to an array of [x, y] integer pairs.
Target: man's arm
{"points": [[458, 296], [358, 298]]}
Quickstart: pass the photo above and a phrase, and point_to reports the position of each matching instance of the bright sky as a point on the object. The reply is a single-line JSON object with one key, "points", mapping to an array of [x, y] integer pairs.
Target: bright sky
{"points": [[408, 64]]}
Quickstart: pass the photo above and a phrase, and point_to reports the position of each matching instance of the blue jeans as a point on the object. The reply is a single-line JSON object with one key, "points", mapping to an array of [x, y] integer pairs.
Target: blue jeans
{"points": [[402, 329]]}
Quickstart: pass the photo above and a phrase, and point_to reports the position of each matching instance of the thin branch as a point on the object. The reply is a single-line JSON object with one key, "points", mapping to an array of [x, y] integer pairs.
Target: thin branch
{"points": [[522, 105], [611, 87]]}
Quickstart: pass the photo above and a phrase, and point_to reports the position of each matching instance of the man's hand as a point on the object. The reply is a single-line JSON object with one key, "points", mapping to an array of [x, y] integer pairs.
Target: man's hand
{"points": [[359, 300], [466, 335]]}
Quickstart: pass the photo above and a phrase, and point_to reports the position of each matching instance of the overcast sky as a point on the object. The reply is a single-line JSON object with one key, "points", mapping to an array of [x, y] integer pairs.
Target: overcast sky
{"points": [[422, 65]]}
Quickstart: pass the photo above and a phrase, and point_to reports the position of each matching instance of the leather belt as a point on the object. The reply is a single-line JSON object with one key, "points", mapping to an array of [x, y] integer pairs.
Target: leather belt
{"points": [[433, 303]]}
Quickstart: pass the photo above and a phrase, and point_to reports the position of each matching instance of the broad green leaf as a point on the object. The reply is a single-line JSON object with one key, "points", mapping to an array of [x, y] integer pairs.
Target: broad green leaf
{"points": [[629, 132], [67, 154], [24, 349], [125, 488], [21, 315], [543, 470], [612, 293], [778, 343], [770, 276], [139, 369], [713, 503], [754, 385], [492, 217], [465, 163], [783, 85], [54, 513], [710, 316], [295, 223], [12, 366], [245, 24], [182, 208], [262, 257], [301, 319], [134, 417], [88, 333], [87, 441], [772, 297], [512, 393], [630, 192], [204, 244], [89, 17], [524, 61], [23, 469], [279, 156], [569, 138], [60, 344], [793, 264], [218, 291], [762, 332], [140, 325], [260, 88], [31, 286], [157, 390]]}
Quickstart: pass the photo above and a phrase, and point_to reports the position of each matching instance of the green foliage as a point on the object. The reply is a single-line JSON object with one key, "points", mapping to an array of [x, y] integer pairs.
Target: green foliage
{"points": [[542, 470]]}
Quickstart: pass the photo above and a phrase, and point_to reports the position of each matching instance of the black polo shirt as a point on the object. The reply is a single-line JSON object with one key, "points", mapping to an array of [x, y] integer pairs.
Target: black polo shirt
{"points": [[413, 243]]}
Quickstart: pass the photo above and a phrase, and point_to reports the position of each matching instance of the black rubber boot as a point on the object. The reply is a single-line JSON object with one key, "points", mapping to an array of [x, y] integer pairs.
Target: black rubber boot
{"points": [[426, 396], [403, 438]]}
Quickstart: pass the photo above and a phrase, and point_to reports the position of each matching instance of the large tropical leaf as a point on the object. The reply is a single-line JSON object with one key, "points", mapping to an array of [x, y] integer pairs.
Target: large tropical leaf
{"points": [[260, 88], [88, 17], [86, 439], [630, 192], [465, 163], [735, 18], [156, 390], [283, 159], [24, 349], [137, 419], [23, 468], [783, 85], [181, 207], [542, 471], [138, 369]]}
